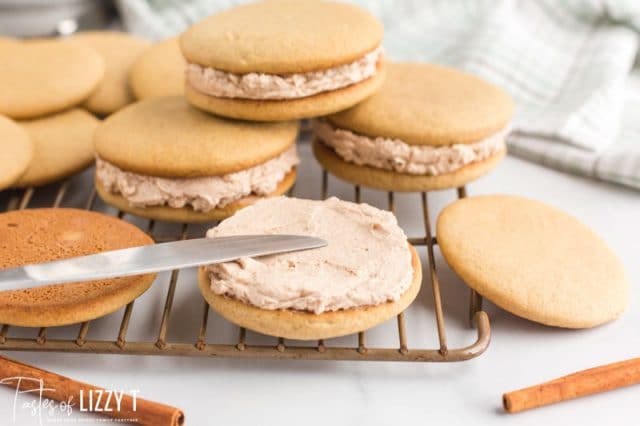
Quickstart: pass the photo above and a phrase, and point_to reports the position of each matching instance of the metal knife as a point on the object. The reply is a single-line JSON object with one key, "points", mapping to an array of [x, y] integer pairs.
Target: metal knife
{"points": [[153, 258]]}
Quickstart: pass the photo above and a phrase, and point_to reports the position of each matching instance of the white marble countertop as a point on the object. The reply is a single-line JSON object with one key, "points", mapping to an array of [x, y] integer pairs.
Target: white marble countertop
{"points": [[255, 392]]}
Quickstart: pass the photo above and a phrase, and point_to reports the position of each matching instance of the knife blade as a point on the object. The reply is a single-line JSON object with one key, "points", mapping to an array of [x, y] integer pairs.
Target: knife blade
{"points": [[152, 258]]}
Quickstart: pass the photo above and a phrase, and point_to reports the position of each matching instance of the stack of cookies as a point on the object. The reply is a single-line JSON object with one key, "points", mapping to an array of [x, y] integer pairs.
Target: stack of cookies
{"points": [[43, 84], [214, 130], [225, 136], [400, 127], [52, 89], [52, 95]]}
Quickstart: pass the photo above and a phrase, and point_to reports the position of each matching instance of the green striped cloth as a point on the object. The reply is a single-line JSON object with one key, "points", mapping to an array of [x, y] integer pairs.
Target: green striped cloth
{"points": [[568, 64]]}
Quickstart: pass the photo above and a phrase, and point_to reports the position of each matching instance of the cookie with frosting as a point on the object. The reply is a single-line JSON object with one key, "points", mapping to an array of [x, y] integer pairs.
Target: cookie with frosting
{"points": [[42, 235], [163, 159], [429, 127], [283, 60], [367, 273]]}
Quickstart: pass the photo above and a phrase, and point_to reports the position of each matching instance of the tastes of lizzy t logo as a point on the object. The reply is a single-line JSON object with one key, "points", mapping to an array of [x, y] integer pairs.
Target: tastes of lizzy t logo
{"points": [[34, 401]]}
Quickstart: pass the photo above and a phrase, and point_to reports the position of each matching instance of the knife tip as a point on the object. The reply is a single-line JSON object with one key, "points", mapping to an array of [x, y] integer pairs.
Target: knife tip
{"points": [[312, 242], [319, 242]]}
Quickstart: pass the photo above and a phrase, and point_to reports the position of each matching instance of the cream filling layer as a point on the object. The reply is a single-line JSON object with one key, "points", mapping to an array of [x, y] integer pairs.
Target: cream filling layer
{"points": [[398, 156], [367, 260], [213, 82], [201, 193]]}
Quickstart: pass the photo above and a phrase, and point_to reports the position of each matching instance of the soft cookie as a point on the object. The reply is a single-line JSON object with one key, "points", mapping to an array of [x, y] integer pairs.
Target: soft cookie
{"points": [[283, 60], [42, 235], [533, 260], [16, 153], [46, 76], [119, 51], [429, 127], [163, 159], [367, 274], [159, 71], [62, 146]]}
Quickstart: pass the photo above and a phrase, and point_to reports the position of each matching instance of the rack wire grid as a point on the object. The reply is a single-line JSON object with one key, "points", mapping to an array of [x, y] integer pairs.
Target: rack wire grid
{"points": [[280, 349]]}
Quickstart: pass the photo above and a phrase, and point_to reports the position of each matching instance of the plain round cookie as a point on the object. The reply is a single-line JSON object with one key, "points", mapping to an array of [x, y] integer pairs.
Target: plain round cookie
{"points": [[119, 51], [166, 137], [16, 153], [388, 180], [533, 260], [62, 146], [159, 71], [288, 109], [40, 235], [426, 104], [46, 76], [281, 37], [187, 214], [301, 325]]}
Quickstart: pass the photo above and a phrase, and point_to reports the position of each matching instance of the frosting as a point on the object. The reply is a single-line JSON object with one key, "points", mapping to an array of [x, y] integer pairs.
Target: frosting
{"points": [[396, 155], [367, 260], [201, 193], [213, 82]]}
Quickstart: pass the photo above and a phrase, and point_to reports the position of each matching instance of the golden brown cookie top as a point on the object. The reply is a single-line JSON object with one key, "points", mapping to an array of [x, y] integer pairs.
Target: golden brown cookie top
{"points": [[41, 235], [533, 260], [282, 36], [119, 51], [45, 76], [159, 71], [62, 146], [424, 104], [168, 137], [16, 152]]}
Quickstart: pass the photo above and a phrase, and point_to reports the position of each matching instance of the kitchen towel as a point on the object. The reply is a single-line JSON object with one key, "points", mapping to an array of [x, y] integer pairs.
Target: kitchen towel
{"points": [[568, 65]]}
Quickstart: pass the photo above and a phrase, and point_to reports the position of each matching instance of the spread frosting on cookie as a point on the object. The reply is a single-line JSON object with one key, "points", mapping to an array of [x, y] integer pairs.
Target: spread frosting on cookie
{"points": [[398, 156], [213, 82], [201, 193], [367, 260]]}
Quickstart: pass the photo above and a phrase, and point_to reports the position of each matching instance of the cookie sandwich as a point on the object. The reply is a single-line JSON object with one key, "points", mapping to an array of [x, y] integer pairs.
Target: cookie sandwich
{"points": [[46, 76], [159, 71], [367, 274], [62, 146], [533, 260], [429, 127], [42, 235], [16, 153], [163, 159], [118, 51], [283, 60]]}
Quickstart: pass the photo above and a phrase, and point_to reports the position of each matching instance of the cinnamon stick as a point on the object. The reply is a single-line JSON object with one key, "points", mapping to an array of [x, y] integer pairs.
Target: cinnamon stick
{"points": [[67, 391], [583, 383]]}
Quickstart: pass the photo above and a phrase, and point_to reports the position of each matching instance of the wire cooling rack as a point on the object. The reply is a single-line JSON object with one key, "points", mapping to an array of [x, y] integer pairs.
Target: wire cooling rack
{"points": [[203, 346]]}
